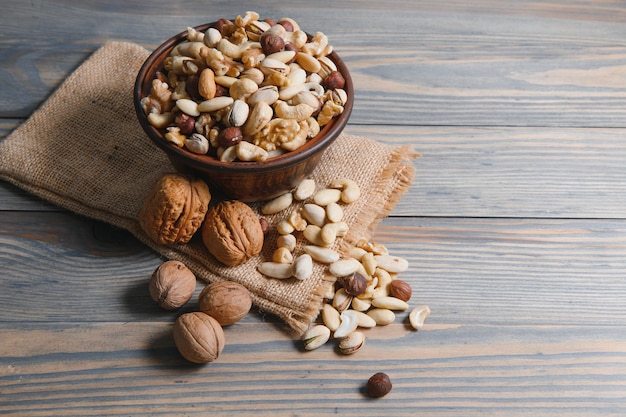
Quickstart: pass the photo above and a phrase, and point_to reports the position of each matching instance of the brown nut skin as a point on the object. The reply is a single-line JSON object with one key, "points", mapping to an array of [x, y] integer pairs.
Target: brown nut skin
{"points": [[198, 337], [271, 43], [354, 284], [379, 385], [172, 285], [225, 301], [333, 81], [232, 232], [230, 136], [185, 123], [400, 289], [174, 208]]}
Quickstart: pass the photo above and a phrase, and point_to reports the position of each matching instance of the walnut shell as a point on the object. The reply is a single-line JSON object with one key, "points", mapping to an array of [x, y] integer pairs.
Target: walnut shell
{"points": [[172, 284], [198, 337], [232, 232], [225, 301], [174, 208]]}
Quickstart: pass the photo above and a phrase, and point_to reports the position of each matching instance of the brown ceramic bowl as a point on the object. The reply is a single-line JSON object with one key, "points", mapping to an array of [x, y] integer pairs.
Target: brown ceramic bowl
{"points": [[245, 181]]}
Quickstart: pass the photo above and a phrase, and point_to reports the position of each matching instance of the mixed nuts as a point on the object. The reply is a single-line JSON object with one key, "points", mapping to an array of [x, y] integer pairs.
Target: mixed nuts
{"points": [[246, 89]]}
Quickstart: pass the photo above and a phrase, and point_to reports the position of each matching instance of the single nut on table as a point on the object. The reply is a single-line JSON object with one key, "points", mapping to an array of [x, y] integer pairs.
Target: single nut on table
{"points": [[174, 208], [352, 343], [334, 212], [315, 337], [282, 255], [418, 315], [225, 301], [232, 232], [314, 214], [287, 241], [326, 196], [198, 337], [172, 284], [379, 385], [400, 289]]}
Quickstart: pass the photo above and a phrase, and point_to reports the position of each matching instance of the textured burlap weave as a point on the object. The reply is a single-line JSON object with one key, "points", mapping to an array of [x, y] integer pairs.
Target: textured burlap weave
{"points": [[84, 150]]}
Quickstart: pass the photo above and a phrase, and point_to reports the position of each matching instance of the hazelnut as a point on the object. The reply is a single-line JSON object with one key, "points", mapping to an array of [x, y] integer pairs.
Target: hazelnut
{"points": [[354, 284], [400, 289], [271, 43], [232, 232], [379, 385], [198, 337], [225, 301], [333, 81], [287, 25], [185, 123], [265, 225], [172, 284], [230, 136]]}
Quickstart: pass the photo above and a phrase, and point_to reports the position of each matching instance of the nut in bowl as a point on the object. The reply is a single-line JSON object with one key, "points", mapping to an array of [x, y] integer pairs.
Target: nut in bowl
{"points": [[248, 105]]}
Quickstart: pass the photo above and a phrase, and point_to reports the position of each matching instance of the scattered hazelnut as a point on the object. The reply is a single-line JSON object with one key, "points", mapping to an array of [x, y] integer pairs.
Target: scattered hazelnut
{"points": [[286, 24], [379, 385], [198, 337], [354, 284], [271, 43], [225, 301], [230, 136], [333, 81], [400, 289], [172, 284]]}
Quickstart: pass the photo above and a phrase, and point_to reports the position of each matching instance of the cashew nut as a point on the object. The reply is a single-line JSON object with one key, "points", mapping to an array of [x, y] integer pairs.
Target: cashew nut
{"points": [[260, 115], [212, 37], [298, 112], [173, 135], [235, 51], [247, 151], [350, 191], [330, 232]]}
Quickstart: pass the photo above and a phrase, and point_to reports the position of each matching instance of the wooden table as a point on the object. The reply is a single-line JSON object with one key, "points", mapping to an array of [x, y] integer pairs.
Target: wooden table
{"points": [[514, 227]]}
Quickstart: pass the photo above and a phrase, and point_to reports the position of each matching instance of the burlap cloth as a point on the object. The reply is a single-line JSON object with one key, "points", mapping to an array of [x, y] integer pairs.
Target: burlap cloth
{"points": [[84, 150]]}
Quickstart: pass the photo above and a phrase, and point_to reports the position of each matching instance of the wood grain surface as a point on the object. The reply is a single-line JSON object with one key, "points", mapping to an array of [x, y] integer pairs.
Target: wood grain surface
{"points": [[514, 227]]}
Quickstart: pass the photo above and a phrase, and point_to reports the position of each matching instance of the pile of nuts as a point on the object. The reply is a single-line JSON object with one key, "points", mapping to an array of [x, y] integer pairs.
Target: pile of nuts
{"points": [[368, 290], [199, 335], [246, 89]]}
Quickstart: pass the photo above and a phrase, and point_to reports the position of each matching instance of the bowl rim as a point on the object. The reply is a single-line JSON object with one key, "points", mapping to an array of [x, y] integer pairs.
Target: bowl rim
{"points": [[321, 141]]}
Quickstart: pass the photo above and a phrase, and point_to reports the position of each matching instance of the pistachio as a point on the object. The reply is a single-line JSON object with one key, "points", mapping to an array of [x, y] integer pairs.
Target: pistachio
{"points": [[197, 143], [238, 113], [352, 343], [316, 336], [341, 300]]}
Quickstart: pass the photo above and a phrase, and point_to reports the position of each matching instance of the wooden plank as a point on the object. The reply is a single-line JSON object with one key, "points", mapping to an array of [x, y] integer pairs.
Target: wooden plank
{"points": [[491, 172], [120, 368], [488, 271], [512, 65]]}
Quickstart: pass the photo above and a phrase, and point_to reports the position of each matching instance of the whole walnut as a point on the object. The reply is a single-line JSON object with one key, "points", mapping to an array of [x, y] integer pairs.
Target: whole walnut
{"points": [[172, 284], [232, 232], [198, 337], [225, 301], [174, 208]]}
